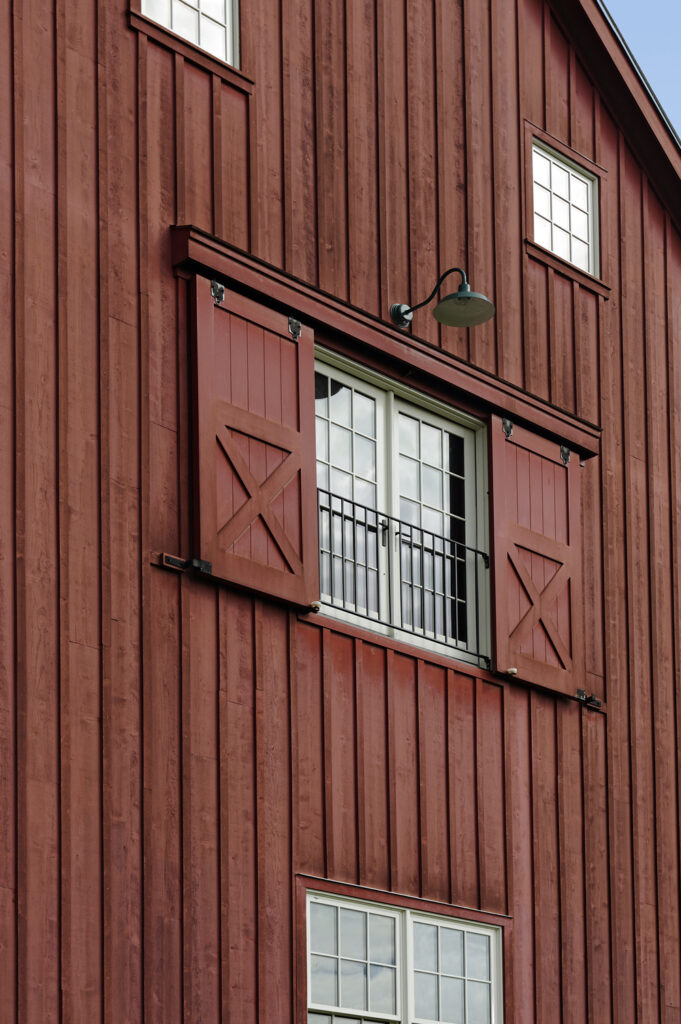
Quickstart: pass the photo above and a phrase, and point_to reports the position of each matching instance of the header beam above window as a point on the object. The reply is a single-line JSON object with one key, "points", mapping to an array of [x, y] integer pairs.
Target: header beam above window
{"points": [[195, 251]]}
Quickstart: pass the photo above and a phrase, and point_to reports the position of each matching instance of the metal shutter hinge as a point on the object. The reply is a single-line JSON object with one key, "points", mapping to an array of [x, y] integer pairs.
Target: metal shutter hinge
{"points": [[507, 428], [565, 454], [217, 290], [294, 327]]}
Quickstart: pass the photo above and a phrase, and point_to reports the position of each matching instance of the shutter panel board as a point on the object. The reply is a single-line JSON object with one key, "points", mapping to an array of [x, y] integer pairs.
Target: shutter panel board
{"points": [[254, 465], [537, 560]]}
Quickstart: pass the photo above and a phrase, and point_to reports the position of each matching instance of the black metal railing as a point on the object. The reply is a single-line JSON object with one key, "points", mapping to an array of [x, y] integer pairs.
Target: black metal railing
{"points": [[381, 568]]}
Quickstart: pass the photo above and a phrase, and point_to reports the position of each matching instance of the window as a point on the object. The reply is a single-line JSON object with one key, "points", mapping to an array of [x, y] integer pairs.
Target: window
{"points": [[565, 208], [401, 510], [369, 963], [210, 24]]}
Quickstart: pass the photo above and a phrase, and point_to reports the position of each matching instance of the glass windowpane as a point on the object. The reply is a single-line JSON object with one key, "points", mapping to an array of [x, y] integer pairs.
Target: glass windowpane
{"points": [[353, 925], [409, 435], [340, 404], [451, 1001], [324, 972], [323, 938], [353, 985], [322, 439], [431, 444], [542, 201], [365, 493], [541, 169], [381, 939], [454, 453], [432, 486], [341, 483], [341, 448], [580, 254], [542, 231], [425, 995], [321, 394], [579, 224], [451, 951], [432, 521], [322, 474], [382, 997], [409, 478], [365, 414], [158, 10], [560, 181], [579, 193], [215, 9], [479, 1003], [213, 38], [410, 512], [319, 1018], [425, 947], [185, 22], [477, 956], [561, 243], [365, 457], [561, 213]]}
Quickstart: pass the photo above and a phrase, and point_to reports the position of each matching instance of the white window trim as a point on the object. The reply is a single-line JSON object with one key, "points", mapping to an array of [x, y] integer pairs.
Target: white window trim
{"points": [[397, 392], [230, 25], [405, 918], [592, 183]]}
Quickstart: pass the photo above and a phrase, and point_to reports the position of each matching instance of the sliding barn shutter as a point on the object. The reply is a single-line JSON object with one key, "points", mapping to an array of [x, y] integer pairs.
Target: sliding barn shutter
{"points": [[254, 465], [537, 559]]}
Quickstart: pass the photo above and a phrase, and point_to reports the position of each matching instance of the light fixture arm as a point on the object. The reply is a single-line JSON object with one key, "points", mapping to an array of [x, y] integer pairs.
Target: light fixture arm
{"points": [[401, 314]]}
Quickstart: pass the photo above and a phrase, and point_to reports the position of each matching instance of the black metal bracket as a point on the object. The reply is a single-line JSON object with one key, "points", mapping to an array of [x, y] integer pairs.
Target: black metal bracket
{"points": [[184, 564], [591, 700], [507, 428], [217, 290], [294, 327], [565, 454]]}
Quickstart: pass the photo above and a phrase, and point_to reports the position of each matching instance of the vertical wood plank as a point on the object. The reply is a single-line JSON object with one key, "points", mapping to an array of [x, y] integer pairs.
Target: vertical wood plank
{"points": [[238, 841], [598, 939], [308, 763], [340, 757], [403, 767], [547, 936], [200, 804], [275, 965], [372, 766], [463, 791], [237, 174], [300, 159], [519, 845], [267, 223], [422, 162], [433, 802], [571, 853], [491, 825]]}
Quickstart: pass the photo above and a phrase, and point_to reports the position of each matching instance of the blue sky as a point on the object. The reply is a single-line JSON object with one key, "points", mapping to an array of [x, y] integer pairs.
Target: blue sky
{"points": [[652, 31]]}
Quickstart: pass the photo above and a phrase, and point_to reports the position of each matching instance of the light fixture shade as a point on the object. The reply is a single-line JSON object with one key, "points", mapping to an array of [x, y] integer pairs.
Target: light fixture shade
{"points": [[464, 308]]}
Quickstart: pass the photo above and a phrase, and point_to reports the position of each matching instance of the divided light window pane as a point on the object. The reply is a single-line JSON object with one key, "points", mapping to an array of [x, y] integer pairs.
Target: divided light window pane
{"points": [[565, 209], [210, 24]]}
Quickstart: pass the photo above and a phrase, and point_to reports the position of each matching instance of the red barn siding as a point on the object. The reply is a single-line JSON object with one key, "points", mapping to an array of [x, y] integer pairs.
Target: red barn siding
{"points": [[173, 754]]}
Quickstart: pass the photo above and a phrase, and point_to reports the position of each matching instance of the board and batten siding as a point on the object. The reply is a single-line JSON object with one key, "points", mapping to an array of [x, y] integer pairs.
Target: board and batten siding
{"points": [[172, 754]]}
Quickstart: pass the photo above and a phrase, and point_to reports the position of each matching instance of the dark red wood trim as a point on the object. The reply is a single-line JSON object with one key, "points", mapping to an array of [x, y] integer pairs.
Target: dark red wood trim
{"points": [[312, 883], [542, 255], [197, 251], [160, 34]]}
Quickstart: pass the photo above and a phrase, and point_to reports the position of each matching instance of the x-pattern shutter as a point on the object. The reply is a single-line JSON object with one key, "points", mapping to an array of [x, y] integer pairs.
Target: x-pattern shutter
{"points": [[537, 559], [254, 468]]}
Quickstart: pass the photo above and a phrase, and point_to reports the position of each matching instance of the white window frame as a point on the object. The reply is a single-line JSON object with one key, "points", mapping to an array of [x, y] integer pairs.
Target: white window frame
{"points": [[166, 13], [405, 919], [393, 397], [590, 181]]}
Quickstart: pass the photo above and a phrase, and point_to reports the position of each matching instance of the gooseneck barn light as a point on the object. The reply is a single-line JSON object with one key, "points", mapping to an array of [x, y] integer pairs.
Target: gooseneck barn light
{"points": [[463, 308]]}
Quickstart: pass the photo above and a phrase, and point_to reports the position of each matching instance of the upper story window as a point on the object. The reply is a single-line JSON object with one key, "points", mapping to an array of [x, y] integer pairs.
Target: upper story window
{"points": [[565, 208], [382, 963], [402, 529], [209, 24]]}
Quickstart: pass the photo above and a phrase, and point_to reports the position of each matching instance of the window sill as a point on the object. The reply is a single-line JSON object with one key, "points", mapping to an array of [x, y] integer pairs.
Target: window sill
{"points": [[561, 266], [190, 52]]}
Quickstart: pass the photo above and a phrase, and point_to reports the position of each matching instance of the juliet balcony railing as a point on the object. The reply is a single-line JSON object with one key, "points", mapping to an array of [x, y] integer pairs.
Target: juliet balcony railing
{"points": [[402, 577]]}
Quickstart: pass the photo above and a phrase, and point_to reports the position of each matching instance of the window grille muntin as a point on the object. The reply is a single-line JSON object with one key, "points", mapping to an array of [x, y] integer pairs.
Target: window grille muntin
{"points": [[565, 204], [386, 560], [462, 982]]}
